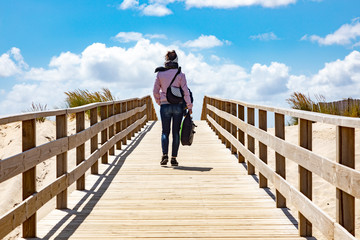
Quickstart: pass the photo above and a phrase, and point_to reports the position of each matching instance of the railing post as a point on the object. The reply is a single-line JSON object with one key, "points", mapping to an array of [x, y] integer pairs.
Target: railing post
{"points": [[124, 122], [203, 115], [222, 120], [94, 140], [345, 154], [104, 133], [148, 108], [130, 119], [218, 119], [280, 164], [262, 147], [29, 177], [111, 128], [118, 124], [241, 134], [227, 123], [80, 150], [251, 140], [61, 160], [305, 176], [233, 127]]}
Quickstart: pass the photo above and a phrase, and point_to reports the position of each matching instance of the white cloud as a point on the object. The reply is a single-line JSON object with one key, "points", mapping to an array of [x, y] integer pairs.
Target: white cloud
{"points": [[156, 36], [159, 8], [337, 80], [129, 4], [264, 37], [126, 37], [12, 63], [346, 34], [237, 3], [156, 9], [204, 42]]}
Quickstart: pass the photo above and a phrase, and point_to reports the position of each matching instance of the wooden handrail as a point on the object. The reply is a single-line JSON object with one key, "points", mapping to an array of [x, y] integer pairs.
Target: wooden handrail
{"points": [[25, 212], [311, 116], [341, 175]]}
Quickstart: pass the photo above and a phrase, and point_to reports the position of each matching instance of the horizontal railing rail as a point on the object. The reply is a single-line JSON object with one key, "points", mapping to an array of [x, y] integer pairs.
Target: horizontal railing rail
{"points": [[227, 119], [120, 120]]}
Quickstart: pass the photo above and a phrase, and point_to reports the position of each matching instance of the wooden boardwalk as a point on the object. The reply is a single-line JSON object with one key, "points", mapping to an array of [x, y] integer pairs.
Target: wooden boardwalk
{"points": [[209, 196]]}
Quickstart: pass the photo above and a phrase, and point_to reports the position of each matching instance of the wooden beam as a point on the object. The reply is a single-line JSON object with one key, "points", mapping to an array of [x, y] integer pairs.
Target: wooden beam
{"points": [[130, 119], [94, 140], [233, 111], [125, 121], [118, 124], [280, 163], [227, 123], [61, 160], [241, 134], [104, 133], [305, 176], [345, 155], [80, 150], [111, 128], [29, 177], [251, 140], [262, 146]]}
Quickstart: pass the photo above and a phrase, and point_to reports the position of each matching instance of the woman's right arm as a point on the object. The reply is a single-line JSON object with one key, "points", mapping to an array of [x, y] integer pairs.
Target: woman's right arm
{"points": [[156, 90]]}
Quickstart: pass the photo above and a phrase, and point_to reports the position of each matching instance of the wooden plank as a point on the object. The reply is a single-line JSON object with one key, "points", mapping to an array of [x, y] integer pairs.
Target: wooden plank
{"points": [[61, 160], [94, 140], [124, 122], [250, 139], [233, 111], [130, 120], [30, 116], [280, 163], [104, 133], [29, 177], [345, 154], [227, 123], [241, 134], [118, 124], [305, 176], [262, 146], [80, 150], [24, 161], [111, 128]]}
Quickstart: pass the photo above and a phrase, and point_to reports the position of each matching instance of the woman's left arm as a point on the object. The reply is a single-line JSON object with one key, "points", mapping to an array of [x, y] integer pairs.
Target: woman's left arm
{"points": [[156, 90], [183, 84]]}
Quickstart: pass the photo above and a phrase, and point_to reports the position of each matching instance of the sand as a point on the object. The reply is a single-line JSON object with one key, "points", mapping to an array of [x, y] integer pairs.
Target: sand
{"points": [[324, 143]]}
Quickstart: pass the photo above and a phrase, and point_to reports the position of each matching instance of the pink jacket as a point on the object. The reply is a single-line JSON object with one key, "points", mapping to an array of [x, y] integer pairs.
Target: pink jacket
{"points": [[162, 82]]}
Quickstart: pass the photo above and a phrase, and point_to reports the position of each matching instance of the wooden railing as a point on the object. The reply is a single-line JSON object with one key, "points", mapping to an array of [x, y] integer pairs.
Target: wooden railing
{"points": [[227, 119], [120, 120]]}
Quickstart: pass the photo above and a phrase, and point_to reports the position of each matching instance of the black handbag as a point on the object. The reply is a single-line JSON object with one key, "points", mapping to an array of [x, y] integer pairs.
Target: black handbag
{"points": [[174, 95]]}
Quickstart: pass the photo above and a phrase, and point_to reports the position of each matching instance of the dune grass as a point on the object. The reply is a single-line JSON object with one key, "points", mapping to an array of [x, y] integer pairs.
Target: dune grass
{"points": [[38, 107], [300, 101], [80, 97]]}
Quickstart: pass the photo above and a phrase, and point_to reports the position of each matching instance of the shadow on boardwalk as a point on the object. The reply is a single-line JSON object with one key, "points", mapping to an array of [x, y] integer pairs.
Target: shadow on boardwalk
{"points": [[94, 194]]}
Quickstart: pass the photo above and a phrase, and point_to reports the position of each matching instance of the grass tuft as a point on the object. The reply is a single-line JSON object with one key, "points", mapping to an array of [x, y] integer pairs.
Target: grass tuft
{"points": [[38, 107]]}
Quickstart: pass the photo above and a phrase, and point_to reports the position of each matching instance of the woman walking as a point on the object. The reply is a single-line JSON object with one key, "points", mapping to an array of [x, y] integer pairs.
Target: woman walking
{"points": [[169, 111]]}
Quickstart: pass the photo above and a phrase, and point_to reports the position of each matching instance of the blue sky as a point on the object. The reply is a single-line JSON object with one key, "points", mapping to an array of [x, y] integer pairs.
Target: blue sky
{"points": [[255, 50]]}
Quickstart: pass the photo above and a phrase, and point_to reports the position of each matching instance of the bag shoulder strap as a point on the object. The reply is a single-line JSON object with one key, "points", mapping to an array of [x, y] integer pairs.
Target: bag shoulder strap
{"points": [[177, 73]]}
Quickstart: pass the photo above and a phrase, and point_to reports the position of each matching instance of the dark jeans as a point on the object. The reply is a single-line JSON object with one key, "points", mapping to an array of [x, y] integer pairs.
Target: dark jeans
{"points": [[168, 112]]}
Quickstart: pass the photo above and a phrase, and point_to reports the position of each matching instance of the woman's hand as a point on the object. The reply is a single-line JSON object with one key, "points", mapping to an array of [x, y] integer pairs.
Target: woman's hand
{"points": [[190, 111]]}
